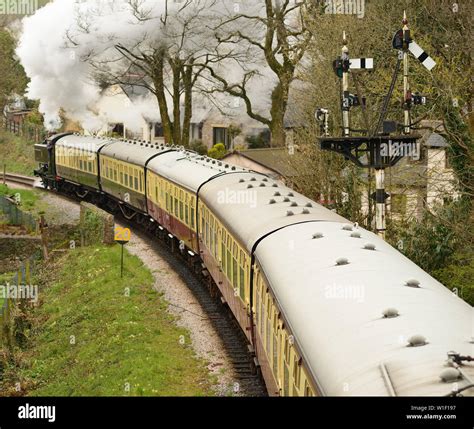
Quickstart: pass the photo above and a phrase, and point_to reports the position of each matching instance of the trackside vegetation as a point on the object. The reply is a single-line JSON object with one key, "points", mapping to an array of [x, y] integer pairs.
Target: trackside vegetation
{"points": [[97, 334], [17, 154]]}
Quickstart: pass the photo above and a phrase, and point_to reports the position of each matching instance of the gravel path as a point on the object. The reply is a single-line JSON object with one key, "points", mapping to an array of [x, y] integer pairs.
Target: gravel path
{"points": [[60, 210], [190, 315]]}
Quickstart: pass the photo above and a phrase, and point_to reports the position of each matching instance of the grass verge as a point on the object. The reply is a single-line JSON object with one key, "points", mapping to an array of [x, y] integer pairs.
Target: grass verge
{"points": [[17, 154], [97, 334]]}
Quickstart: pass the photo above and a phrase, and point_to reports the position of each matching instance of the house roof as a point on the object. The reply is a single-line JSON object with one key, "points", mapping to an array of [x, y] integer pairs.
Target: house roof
{"points": [[276, 159], [436, 140], [135, 91]]}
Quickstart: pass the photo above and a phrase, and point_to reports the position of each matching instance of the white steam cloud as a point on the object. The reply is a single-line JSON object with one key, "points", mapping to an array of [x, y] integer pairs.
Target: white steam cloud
{"points": [[63, 41]]}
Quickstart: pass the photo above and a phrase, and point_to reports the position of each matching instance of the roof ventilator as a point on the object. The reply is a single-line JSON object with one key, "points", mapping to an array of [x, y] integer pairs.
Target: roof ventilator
{"points": [[412, 283], [355, 235], [416, 341], [449, 375], [369, 246], [347, 227], [318, 235], [342, 261], [289, 213], [391, 312]]}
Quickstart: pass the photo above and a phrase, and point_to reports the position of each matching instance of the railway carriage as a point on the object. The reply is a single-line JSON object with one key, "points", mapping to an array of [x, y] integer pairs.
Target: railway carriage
{"points": [[173, 191], [123, 166], [328, 308]]}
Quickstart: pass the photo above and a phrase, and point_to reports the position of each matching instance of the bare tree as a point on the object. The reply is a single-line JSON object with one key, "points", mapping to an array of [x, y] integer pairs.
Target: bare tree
{"points": [[278, 34], [168, 66]]}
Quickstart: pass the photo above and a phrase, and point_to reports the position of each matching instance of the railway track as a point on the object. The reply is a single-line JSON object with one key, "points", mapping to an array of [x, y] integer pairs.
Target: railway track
{"points": [[248, 381], [18, 178]]}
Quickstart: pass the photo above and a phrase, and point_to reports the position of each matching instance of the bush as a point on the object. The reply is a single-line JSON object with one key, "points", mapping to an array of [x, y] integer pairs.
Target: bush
{"points": [[459, 276], [259, 141], [199, 147], [218, 151]]}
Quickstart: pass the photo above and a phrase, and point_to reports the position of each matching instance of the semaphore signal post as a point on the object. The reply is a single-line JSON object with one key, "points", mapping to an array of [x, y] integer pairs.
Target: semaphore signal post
{"points": [[375, 149]]}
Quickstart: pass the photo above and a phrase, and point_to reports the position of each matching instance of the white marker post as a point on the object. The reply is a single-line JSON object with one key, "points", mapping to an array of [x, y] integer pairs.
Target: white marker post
{"points": [[380, 202], [406, 96], [345, 86]]}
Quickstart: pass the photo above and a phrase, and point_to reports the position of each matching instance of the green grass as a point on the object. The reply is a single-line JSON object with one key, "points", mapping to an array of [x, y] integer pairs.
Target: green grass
{"points": [[17, 153], [119, 340], [31, 201], [28, 199]]}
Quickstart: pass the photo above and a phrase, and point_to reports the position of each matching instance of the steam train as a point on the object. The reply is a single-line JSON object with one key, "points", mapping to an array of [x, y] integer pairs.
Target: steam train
{"points": [[328, 308]]}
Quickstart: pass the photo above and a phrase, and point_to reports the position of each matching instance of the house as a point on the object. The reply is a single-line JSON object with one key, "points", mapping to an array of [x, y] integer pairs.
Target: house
{"points": [[15, 111], [131, 111], [272, 161], [414, 185], [420, 184]]}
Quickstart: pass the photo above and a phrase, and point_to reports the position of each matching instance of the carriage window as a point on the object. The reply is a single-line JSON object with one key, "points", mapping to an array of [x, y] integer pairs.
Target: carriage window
{"points": [[287, 349], [176, 207], [211, 238], [215, 242], [268, 334], [242, 283], [181, 210], [234, 272], [296, 371], [229, 265]]}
